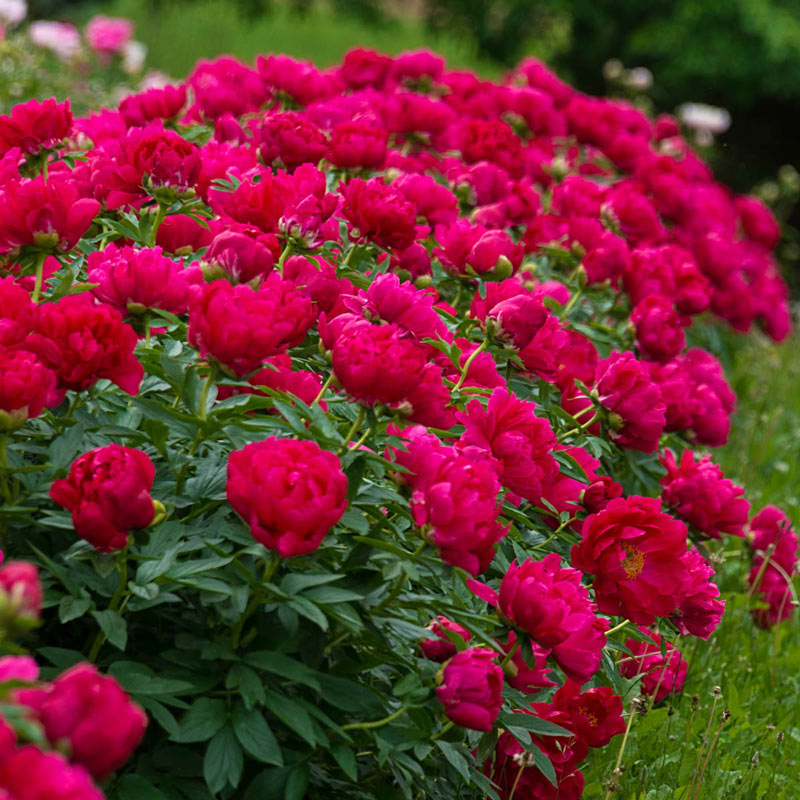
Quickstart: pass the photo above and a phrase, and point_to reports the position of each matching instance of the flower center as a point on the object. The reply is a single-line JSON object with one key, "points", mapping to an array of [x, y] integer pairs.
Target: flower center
{"points": [[591, 717], [634, 561]]}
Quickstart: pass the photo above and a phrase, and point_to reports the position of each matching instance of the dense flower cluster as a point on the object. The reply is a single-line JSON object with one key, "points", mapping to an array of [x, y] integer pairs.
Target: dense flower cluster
{"points": [[351, 316]]}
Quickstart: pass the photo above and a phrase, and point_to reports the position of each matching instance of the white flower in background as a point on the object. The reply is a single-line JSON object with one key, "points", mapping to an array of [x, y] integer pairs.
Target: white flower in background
{"points": [[639, 78], [154, 79], [61, 38], [12, 12], [133, 56], [700, 116]]}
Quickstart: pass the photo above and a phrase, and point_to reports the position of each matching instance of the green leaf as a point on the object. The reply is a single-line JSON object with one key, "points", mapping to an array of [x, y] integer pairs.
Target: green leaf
{"points": [[255, 735], [63, 448], [291, 714], [455, 757], [297, 783], [346, 759], [136, 787], [332, 594], [203, 720], [280, 664], [308, 610], [138, 678], [72, 608], [295, 582], [528, 722], [251, 689], [224, 761], [545, 765], [113, 626]]}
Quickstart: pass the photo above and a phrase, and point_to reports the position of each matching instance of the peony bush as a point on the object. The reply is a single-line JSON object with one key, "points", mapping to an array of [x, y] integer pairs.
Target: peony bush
{"points": [[355, 430]]}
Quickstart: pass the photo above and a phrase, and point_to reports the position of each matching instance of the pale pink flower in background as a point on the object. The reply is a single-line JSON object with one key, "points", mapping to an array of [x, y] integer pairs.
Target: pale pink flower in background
{"points": [[12, 12], [61, 38], [108, 35]]}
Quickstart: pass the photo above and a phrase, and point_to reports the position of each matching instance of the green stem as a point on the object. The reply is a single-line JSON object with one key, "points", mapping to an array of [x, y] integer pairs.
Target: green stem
{"points": [[617, 627], [468, 363], [346, 262], [4, 487], [443, 730], [510, 654], [353, 428], [122, 566], [287, 251], [202, 412], [325, 387], [378, 723], [160, 215], [37, 285], [270, 565], [572, 301]]}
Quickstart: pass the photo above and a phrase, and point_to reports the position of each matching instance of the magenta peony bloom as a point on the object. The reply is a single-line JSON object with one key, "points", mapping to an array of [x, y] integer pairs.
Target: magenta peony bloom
{"points": [[92, 712], [635, 408], [240, 327], [290, 493], [135, 281], [699, 493], [661, 675], [470, 688], [107, 491], [549, 603], [635, 552], [659, 335], [83, 341], [521, 442]]}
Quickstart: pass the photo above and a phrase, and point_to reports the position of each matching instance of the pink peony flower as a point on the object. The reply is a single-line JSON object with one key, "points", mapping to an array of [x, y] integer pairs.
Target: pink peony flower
{"points": [[549, 603], [699, 493], [107, 491], [661, 675], [290, 493], [635, 552], [470, 688]]}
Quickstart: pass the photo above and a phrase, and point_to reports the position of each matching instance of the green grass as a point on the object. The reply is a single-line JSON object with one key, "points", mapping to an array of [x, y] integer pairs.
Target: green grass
{"points": [[757, 754], [177, 34]]}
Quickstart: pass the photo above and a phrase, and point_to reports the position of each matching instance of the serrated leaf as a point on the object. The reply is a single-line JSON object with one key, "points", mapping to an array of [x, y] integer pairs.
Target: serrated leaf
{"points": [[255, 735]]}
